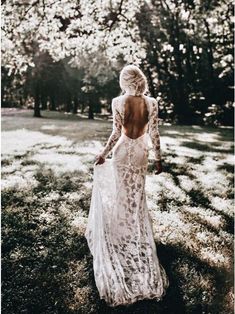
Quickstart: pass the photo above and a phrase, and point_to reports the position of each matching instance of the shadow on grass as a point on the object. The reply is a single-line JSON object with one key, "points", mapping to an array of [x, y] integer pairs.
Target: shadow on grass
{"points": [[37, 278], [171, 257], [214, 147], [36, 275], [188, 132], [35, 264], [198, 198], [174, 301]]}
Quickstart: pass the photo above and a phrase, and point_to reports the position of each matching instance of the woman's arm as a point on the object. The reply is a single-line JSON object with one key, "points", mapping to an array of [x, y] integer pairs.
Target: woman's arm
{"points": [[116, 132], [153, 130]]}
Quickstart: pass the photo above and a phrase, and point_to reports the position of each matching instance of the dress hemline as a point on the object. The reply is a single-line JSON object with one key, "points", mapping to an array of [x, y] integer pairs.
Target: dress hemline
{"points": [[133, 300]]}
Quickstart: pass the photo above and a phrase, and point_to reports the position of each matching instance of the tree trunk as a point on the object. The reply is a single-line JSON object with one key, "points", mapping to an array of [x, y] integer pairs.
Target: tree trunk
{"points": [[90, 112], [68, 104], [82, 108], [209, 52], [181, 102], [21, 102], [52, 103], [75, 105], [37, 101], [44, 102]]}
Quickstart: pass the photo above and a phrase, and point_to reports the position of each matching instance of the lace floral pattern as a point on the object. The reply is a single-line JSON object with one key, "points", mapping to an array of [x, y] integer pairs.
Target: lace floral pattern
{"points": [[116, 132], [119, 229], [153, 129]]}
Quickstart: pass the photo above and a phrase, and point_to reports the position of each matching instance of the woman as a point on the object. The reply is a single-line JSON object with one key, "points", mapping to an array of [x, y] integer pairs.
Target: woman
{"points": [[119, 230]]}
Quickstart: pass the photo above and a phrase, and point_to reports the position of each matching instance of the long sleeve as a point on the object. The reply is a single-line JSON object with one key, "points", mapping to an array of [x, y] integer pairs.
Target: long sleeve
{"points": [[153, 130], [116, 132]]}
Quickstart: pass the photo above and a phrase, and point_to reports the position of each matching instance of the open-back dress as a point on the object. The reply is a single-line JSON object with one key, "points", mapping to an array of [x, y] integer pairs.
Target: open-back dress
{"points": [[119, 229]]}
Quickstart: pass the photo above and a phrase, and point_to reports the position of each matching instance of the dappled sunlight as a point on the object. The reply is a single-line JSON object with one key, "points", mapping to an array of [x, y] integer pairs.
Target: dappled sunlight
{"points": [[72, 196], [207, 138], [8, 169], [215, 257], [229, 158], [79, 224], [214, 182], [186, 183], [188, 152], [81, 296], [49, 127], [60, 163], [47, 183], [207, 215], [158, 185], [57, 153], [204, 137], [169, 228], [167, 141], [91, 147], [19, 180], [18, 142], [177, 160], [175, 145], [46, 217], [176, 219], [53, 196], [61, 66], [223, 205]]}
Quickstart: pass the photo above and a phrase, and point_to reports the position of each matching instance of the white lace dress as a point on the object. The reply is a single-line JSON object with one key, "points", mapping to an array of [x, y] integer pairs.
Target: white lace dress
{"points": [[119, 229]]}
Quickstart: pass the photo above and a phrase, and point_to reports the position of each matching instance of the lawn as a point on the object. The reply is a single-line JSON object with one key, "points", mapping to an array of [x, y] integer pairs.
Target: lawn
{"points": [[47, 167]]}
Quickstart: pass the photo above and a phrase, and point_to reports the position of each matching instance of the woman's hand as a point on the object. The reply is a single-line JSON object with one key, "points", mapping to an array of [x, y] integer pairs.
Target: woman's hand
{"points": [[99, 160], [158, 167]]}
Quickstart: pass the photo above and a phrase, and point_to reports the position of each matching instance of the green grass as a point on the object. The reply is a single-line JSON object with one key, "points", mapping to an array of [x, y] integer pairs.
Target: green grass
{"points": [[47, 168]]}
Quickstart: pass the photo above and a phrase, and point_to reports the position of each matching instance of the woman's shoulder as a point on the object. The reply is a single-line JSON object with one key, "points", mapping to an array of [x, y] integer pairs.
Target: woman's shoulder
{"points": [[151, 102], [150, 98], [118, 101], [118, 98]]}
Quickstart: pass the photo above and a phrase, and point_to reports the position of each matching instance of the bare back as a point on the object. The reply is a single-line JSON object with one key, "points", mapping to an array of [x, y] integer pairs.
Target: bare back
{"points": [[135, 116]]}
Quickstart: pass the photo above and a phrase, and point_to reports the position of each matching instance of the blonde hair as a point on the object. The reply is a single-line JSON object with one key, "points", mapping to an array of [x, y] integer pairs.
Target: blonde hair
{"points": [[133, 80]]}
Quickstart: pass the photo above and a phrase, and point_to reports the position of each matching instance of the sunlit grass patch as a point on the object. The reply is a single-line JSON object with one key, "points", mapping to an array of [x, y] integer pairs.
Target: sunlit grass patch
{"points": [[205, 215], [60, 163], [19, 142], [11, 166], [19, 174], [223, 205]]}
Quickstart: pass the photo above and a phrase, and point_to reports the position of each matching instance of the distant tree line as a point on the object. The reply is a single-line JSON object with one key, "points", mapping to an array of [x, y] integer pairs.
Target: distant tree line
{"points": [[55, 86], [185, 48]]}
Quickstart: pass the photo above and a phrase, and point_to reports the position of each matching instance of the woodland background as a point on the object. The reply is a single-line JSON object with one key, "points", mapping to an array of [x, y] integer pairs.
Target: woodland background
{"points": [[67, 55]]}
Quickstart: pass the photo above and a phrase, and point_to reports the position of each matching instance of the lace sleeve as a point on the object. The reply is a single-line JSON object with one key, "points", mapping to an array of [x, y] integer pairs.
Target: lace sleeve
{"points": [[116, 133], [153, 130]]}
